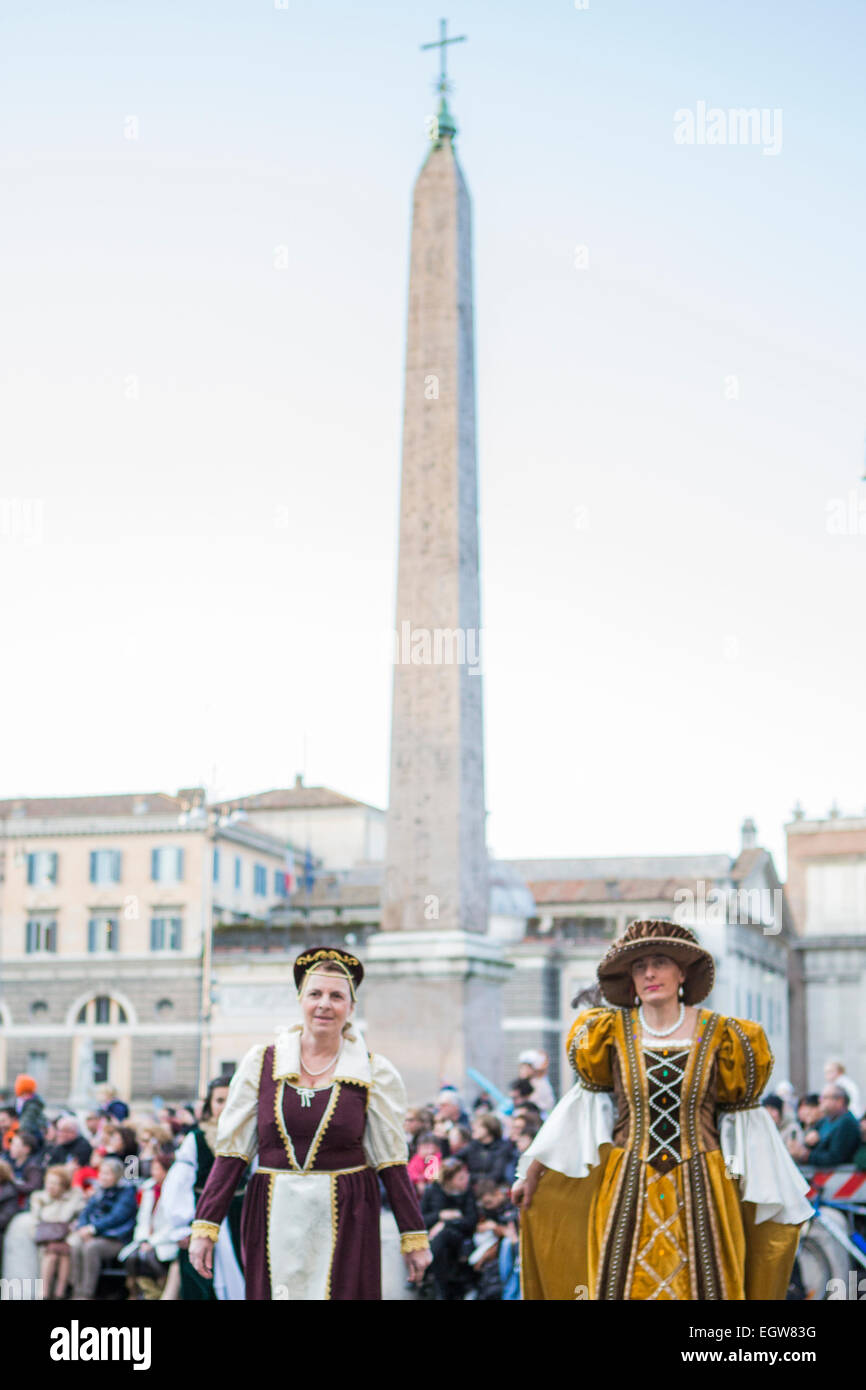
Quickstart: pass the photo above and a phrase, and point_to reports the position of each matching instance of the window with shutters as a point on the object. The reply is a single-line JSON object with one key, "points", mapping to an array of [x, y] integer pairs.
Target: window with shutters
{"points": [[260, 880], [41, 934], [216, 866], [37, 1066], [238, 870], [42, 868], [103, 934], [166, 864], [162, 1068], [166, 933], [105, 865]]}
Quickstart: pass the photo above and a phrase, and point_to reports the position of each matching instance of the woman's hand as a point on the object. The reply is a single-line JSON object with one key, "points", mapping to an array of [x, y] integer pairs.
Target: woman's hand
{"points": [[201, 1256], [416, 1263], [523, 1192]]}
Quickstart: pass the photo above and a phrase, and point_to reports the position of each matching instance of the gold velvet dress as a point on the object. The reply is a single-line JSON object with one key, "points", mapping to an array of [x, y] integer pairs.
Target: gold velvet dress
{"points": [[665, 1177]]}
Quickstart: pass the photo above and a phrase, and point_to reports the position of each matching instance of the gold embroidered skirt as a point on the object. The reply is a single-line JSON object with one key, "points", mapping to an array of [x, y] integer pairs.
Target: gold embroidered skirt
{"points": [[630, 1232]]}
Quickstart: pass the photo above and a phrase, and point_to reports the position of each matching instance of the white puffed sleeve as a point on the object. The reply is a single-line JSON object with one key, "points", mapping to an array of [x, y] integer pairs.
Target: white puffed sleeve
{"points": [[177, 1194], [384, 1136], [570, 1138], [237, 1133], [753, 1152]]}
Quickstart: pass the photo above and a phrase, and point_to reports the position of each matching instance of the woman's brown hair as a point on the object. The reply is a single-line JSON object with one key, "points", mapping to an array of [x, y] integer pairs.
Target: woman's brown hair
{"points": [[450, 1168], [492, 1124]]}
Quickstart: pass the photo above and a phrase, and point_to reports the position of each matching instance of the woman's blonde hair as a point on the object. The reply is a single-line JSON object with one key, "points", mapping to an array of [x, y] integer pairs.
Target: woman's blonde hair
{"points": [[58, 1171]]}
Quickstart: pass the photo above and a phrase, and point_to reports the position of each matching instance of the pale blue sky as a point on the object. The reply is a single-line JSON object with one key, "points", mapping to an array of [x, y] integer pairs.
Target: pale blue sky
{"points": [[674, 639]]}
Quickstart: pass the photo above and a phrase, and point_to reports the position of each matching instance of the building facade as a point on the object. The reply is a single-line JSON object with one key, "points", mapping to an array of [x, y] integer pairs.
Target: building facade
{"points": [[735, 904], [827, 891], [107, 907], [338, 831], [147, 940]]}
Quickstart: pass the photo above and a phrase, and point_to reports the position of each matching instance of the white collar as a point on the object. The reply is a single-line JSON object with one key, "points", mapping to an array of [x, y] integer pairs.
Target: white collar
{"points": [[353, 1064]]}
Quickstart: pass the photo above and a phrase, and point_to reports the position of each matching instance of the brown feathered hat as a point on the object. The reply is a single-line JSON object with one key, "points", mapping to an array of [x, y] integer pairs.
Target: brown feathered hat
{"points": [[657, 937]]}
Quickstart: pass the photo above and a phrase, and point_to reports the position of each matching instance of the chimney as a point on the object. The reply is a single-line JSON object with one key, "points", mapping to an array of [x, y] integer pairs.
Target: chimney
{"points": [[299, 779], [748, 833], [194, 796]]}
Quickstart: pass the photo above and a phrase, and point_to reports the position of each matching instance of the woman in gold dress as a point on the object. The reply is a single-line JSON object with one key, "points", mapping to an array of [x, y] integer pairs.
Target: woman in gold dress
{"points": [[659, 1175]]}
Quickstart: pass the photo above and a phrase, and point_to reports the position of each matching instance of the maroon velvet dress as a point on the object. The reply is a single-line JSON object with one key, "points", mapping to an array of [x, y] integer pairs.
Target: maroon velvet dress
{"points": [[310, 1221]]}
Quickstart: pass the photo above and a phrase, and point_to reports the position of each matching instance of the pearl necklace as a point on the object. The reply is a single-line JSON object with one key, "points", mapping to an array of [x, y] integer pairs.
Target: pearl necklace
{"points": [[661, 1032], [322, 1070], [306, 1093]]}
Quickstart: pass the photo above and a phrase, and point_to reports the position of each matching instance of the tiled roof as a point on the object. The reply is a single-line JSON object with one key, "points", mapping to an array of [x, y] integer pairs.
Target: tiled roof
{"points": [[747, 861], [124, 804], [292, 798], [613, 890], [333, 890], [635, 866]]}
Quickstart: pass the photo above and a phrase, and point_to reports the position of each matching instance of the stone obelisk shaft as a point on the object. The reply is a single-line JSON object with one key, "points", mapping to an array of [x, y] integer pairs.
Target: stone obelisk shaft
{"points": [[436, 858], [435, 976]]}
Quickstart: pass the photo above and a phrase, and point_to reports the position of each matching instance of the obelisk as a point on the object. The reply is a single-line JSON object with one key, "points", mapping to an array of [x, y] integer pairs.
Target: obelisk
{"points": [[434, 1002]]}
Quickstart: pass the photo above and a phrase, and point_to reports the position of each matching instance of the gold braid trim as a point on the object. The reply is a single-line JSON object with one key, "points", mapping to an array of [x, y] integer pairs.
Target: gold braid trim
{"points": [[323, 1125], [335, 1223], [268, 1232], [204, 1228], [413, 1240]]}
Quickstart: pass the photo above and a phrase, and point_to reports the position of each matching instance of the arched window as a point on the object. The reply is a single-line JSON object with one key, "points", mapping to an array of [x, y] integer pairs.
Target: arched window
{"points": [[102, 1009]]}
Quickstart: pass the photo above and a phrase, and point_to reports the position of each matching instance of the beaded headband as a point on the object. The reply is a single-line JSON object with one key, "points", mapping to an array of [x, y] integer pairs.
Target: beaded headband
{"points": [[341, 962]]}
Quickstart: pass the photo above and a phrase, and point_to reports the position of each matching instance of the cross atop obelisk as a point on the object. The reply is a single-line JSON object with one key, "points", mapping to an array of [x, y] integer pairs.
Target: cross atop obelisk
{"points": [[435, 975], [443, 122], [443, 85]]}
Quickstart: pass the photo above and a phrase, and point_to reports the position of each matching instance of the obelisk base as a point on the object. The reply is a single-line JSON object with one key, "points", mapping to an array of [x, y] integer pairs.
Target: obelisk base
{"points": [[432, 1004]]}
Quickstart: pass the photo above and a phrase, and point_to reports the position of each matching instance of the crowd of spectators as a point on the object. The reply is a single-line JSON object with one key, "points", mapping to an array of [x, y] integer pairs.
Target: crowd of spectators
{"points": [[88, 1208], [85, 1205], [463, 1167], [80, 1214], [825, 1130]]}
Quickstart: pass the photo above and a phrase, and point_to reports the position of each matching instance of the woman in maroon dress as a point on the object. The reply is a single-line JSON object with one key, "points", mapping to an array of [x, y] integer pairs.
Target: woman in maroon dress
{"points": [[325, 1120]]}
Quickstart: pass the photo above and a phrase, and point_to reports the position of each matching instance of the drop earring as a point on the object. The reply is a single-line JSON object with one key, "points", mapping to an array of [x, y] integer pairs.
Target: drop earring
{"points": [[680, 992], [637, 1001]]}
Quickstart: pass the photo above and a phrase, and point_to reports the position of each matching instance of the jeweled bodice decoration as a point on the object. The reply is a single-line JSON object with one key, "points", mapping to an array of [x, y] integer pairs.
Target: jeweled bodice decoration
{"points": [[665, 1069]]}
